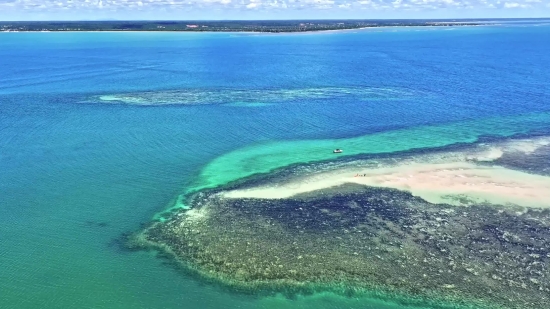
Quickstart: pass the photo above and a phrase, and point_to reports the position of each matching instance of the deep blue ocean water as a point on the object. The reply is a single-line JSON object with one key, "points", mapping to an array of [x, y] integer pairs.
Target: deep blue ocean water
{"points": [[77, 171]]}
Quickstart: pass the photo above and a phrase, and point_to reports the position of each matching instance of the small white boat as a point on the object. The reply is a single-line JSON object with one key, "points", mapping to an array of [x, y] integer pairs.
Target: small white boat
{"points": [[337, 150]]}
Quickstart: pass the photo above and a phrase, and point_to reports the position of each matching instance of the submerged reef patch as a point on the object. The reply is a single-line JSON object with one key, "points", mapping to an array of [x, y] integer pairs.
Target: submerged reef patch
{"points": [[306, 228], [250, 97], [363, 239]]}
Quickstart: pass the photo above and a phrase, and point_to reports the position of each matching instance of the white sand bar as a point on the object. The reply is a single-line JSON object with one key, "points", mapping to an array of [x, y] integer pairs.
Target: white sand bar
{"points": [[433, 182]]}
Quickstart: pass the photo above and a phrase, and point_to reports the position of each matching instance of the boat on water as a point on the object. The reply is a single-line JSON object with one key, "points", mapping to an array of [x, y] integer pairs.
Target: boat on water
{"points": [[337, 150]]}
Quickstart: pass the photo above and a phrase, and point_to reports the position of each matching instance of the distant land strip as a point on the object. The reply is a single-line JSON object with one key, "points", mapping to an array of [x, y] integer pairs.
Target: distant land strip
{"points": [[274, 26]]}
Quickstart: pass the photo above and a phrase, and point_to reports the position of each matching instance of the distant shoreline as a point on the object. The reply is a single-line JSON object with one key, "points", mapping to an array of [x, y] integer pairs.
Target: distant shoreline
{"points": [[250, 32], [227, 27]]}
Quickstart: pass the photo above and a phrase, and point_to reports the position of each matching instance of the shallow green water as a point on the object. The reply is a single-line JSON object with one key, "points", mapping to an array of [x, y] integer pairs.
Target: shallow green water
{"points": [[266, 157]]}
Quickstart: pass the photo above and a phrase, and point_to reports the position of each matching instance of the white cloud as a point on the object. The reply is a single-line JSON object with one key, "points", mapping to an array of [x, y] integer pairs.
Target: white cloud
{"points": [[254, 4], [512, 5], [124, 8]]}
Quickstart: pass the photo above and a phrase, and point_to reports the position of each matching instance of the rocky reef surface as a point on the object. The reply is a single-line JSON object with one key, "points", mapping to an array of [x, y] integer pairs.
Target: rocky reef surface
{"points": [[356, 227], [355, 239]]}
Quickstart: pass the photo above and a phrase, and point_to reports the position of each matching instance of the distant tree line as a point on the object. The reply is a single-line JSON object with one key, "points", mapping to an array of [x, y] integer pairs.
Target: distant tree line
{"points": [[229, 26]]}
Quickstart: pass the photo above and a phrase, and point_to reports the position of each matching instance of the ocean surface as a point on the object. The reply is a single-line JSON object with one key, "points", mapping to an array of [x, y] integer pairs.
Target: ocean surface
{"points": [[101, 132]]}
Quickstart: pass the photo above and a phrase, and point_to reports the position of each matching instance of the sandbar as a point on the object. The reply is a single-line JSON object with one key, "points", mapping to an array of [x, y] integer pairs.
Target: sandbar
{"points": [[453, 177]]}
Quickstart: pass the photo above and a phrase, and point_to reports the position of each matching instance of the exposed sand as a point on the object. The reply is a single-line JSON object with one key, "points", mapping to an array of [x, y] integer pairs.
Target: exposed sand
{"points": [[433, 182], [438, 179]]}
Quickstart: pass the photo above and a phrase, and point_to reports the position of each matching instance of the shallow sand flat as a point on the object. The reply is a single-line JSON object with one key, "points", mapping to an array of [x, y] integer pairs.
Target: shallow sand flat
{"points": [[433, 182]]}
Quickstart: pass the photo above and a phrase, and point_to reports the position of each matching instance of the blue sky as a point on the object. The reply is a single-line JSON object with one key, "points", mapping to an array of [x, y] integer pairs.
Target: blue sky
{"points": [[267, 9]]}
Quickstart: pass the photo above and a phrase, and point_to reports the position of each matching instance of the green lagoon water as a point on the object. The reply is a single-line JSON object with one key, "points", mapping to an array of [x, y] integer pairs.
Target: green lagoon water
{"points": [[77, 172], [267, 157]]}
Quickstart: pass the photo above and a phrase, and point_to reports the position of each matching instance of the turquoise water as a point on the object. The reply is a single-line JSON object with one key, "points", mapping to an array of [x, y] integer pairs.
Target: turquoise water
{"points": [[77, 171]]}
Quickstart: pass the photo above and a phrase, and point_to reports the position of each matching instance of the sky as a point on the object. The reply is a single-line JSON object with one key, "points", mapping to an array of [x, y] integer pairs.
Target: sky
{"points": [[267, 9]]}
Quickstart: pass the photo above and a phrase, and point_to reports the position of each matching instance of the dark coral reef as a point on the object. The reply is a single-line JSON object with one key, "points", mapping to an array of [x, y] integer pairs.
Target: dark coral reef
{"points": [[353, 239]]}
